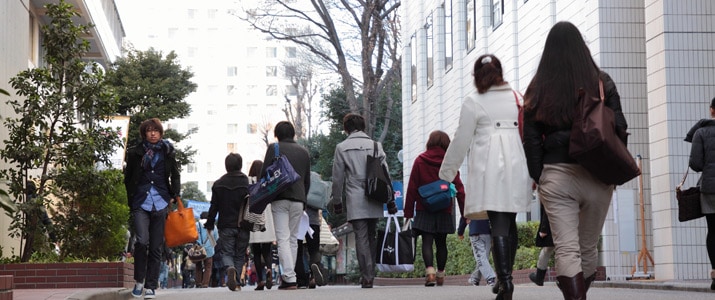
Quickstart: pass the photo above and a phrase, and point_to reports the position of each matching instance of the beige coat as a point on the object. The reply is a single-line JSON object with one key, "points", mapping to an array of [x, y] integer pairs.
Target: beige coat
{"points": [[497, 178]]}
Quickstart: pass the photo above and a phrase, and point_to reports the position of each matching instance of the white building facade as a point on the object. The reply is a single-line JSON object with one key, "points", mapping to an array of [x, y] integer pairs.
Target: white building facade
{"points": [[661, 55], [21, 49], [242, 87]]}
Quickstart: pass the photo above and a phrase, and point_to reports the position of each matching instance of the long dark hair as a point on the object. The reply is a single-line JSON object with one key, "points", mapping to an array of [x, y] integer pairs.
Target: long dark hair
{"points": [[256, 167], [566, 66]]}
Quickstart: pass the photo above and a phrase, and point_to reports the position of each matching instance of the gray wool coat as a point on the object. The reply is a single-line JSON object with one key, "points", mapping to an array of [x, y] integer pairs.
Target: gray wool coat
{"points": [[349, 169]]}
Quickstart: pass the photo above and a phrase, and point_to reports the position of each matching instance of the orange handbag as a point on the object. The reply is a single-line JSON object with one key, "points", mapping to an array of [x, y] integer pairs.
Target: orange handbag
{"points": [[180, 226]]}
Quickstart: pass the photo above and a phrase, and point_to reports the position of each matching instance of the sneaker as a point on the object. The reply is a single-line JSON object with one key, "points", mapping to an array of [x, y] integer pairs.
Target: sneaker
{"points": [[138, 289], [474, 282], [149, 294], [231, 283], [317, 274], [288, 286], [491, 282]]}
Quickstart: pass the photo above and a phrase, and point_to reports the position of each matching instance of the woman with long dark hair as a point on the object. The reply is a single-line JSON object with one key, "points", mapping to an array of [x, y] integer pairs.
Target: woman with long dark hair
{"points": [[497, 186], [576, 202], [262, 241]]}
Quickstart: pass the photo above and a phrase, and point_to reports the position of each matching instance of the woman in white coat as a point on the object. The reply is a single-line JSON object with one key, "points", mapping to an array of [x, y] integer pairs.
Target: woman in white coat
{"points": [[497, 180]]}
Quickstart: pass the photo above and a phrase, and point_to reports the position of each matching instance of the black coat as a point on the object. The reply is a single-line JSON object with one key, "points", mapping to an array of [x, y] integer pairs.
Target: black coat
{"points": [[702, 155], [228, 195], [545, 144], [133, 172]]}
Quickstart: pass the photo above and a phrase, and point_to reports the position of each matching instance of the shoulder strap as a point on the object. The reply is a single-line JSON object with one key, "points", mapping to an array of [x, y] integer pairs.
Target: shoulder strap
{"points": [[276, 153], [374, 149], [516, 98]]}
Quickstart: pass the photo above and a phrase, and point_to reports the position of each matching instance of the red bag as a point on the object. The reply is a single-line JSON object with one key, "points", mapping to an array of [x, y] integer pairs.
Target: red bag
{"points": [[180, 227], [595, 143]]}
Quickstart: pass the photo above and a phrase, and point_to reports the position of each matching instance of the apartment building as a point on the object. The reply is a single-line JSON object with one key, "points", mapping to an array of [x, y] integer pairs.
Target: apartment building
{"points": [[660, 54], [21, 48], [242, 87]]}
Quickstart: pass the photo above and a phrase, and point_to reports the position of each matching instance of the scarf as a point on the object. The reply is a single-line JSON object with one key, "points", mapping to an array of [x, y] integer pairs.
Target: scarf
{"points": [[149, 151]]}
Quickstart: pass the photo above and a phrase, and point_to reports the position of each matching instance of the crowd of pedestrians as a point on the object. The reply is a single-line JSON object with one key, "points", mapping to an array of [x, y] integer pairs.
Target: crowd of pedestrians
{"points": [[512, 146]]}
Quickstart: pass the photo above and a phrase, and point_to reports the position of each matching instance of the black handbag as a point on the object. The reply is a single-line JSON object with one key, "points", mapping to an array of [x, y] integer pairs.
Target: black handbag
{"points": [[378, 186], [688, 201]]}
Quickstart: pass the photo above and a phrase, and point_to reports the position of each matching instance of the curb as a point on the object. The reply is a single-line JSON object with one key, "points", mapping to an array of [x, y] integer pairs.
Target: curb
{"points": [[109, 294], [695, 286]]}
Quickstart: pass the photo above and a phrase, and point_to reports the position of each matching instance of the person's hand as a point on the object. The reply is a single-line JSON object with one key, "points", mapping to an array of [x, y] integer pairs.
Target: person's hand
{"points": [[461, 237], [337, 208], [173, 200], [542, 234], [391, 208]]}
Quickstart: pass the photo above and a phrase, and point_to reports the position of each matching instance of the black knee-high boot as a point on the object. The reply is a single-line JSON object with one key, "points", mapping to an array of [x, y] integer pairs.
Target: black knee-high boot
{"points": [[502, 254]]}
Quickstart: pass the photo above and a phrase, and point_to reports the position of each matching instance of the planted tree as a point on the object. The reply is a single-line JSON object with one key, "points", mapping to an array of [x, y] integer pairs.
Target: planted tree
{"points": [[55, 140], [151, 85]]}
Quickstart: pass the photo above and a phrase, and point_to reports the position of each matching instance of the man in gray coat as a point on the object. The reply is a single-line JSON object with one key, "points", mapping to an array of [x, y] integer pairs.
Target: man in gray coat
{"points": [[349, 173]]}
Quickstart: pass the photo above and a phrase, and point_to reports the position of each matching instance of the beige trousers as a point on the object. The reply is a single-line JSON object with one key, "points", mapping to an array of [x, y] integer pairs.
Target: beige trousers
{"points": [[576, 204]]}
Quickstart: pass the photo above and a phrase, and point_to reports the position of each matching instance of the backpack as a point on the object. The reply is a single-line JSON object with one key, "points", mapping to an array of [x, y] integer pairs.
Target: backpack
{"points": [[378, 185]]}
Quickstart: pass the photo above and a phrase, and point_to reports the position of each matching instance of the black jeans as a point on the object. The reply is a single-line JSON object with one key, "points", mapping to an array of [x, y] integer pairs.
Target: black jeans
{"points": [[312, 245], [149, 245], [262, 258]]}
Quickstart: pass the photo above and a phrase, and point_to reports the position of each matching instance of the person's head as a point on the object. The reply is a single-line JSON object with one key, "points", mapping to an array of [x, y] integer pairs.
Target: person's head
{"points": [[234, 162], [712, 108], [151, 130], [487, 73], [438, 138], [256, 167], [565, 67], [284, 130], [353, 122]]}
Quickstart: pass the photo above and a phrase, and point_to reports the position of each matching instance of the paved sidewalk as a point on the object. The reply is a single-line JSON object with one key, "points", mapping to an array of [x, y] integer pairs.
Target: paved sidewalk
{"points": [[124, 294]]}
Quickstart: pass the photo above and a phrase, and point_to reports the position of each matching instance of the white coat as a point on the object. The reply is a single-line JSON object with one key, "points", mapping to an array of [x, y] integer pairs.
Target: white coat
{"points": [[497, 176]]}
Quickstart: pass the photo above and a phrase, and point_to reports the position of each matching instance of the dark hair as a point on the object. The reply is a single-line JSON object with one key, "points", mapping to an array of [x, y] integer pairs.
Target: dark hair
{"points": [[712, 103], [284, 130], [487, 73], [352, 122], [234, 162], [256, 167], [149, 124], [438, 138], [566, 66]]}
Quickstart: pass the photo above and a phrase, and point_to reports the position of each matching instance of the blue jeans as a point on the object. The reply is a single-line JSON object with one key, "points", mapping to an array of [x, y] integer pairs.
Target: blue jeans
{"points": [[481, 245], [234, 242], [149, 245]]}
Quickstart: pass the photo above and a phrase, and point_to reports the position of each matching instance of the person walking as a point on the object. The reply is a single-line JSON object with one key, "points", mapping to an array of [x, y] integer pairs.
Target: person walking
{"points": [[498, 181], [288, 206], [702, 159], [480, 237], [262, 241], [349, 173], [204, 267], [543, 240], [432, 226], [229, 200], [152, 181], [575, 201]]}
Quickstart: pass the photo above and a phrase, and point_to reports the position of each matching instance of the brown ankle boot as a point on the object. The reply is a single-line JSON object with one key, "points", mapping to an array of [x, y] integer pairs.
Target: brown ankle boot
{"points": [[573, 288], [440, 278], [430, 277]]}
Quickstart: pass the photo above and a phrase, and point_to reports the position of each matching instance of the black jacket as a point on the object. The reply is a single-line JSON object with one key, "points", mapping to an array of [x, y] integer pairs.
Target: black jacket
{"points": [[702, 155], [545, 144], [300, 160], [228, 195], [133, 173]]}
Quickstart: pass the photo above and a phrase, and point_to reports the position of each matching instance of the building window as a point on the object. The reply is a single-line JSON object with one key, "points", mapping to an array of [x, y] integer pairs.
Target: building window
{"points": [[497, 13], [192, 51], [211, 14], [230, 107], [191, 168], [413, 66], [209, 185], [230, 89], [448, 39], [291, 90], [471, 24], [291, 71], [231, 147], [191, 13], [271, 71], [172, 32], [251, 89], [430, 51], [209, 169], [290, 52], [252, 128], [271, 90], [251, 52], [232, 128], [231, 71], [271, 52], [34, 41]]}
